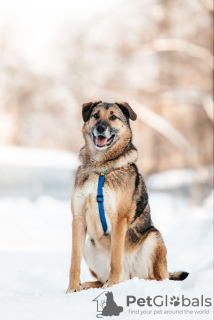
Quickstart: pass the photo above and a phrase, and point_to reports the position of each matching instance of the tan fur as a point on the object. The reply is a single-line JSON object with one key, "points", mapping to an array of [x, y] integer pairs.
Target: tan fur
{"points": [[91, 284], [132, 237]]}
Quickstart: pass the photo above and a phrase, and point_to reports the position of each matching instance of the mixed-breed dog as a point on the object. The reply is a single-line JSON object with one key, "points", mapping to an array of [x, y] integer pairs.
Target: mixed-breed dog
{"points": [[110, 204]]}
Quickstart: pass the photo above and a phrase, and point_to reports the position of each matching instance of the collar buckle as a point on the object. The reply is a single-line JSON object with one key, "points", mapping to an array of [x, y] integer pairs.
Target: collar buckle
{"points": [[100, 198]]}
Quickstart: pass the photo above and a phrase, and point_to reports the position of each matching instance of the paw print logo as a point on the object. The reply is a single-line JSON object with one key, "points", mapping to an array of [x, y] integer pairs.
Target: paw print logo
{"points": [[174, 301]]}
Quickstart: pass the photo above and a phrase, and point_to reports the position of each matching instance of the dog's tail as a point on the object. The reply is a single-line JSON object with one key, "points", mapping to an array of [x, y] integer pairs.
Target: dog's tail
{"points": [[178, 276]]}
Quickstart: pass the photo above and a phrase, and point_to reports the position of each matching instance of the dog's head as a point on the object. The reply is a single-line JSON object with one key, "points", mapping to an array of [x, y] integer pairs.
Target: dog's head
{"points": [[109, 294], [107, 123]]}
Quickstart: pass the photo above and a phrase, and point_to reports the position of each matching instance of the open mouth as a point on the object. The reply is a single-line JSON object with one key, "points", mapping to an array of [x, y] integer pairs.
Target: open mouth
{"points": [[101, 141]]}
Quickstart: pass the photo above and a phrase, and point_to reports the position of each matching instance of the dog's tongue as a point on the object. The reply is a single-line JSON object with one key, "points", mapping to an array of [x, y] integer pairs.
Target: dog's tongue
{"points": [[101, 141]]}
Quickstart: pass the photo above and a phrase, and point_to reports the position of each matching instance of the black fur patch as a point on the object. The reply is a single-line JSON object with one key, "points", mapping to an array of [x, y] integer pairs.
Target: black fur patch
{"points": [[140, 205], [107, 105], [143, 229], [137, 179], [184, 275], [85, 179], [178, 276], [132, 236], [93, 242]]}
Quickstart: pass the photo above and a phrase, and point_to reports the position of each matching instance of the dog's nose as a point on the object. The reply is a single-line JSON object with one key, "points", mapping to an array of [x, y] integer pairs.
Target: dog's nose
{"points": [[101, 128]]}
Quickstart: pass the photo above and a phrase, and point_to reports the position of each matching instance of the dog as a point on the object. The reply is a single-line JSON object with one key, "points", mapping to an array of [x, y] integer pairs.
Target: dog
{"points": [[122, 241], [111, 308]]}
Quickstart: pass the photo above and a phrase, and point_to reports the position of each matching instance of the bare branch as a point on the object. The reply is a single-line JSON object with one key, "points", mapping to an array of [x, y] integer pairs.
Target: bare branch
{"points": [[208, 4], [161, 45], [161, 125], [207, 104], [102, 303]]}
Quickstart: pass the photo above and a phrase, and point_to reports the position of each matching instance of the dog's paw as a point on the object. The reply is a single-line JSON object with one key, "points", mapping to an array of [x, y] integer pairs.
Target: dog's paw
{"points": [[108, 284], [86, 286], [74, 288]]}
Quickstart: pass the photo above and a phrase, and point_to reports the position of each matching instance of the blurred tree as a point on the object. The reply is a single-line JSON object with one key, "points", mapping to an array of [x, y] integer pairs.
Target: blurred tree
{"points": [[155, 54]]}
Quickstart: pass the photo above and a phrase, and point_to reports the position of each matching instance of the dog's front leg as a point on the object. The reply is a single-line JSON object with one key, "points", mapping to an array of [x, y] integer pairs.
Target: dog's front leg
{"points": [[78, 242], [117, 247]]}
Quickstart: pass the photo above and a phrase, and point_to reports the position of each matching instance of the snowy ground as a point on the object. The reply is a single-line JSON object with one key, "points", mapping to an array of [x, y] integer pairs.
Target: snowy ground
{"points": [[35, 241]]}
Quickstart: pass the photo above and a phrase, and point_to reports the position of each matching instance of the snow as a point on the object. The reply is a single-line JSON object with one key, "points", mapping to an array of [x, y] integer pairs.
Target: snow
{"points": [[33, 172], [39, 158], [173, 179], [35, 244]]}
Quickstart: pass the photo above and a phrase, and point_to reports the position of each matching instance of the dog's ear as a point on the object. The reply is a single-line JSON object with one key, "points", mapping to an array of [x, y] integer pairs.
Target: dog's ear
{"points": [[127, 110], [87, 109]]}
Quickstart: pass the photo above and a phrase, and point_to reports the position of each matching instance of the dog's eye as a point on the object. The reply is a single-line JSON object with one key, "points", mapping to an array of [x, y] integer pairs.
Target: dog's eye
{"points": [[96, 116], [113, 117]]}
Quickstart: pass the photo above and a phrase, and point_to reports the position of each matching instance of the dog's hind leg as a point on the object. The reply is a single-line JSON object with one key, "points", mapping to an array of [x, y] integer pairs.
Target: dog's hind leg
{"points": [[149, 262], [158, 267], [158, 270]]}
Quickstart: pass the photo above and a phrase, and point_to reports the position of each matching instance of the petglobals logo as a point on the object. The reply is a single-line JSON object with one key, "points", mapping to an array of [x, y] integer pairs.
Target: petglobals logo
{"points": [[165, 301], [106, 306]]}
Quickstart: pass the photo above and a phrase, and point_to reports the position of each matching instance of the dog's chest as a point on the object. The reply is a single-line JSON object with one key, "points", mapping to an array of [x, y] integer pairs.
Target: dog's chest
{"points": [[94, 226]]}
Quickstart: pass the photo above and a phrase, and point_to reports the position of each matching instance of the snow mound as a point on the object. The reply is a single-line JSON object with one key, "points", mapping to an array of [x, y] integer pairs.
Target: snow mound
{"points": [[35, 244]]}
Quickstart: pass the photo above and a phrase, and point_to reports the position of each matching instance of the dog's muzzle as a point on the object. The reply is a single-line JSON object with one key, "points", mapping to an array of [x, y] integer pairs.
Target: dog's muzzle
{"points": [[102, 136]]}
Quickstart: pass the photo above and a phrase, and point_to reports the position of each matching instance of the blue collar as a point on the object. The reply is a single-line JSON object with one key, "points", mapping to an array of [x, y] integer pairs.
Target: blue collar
{"points": [[103, 173], [100, 199]]}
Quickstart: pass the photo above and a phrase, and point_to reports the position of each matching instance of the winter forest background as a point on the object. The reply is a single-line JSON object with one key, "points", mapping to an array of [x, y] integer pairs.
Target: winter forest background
{"points": [[157, 55], [55, 55]]}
